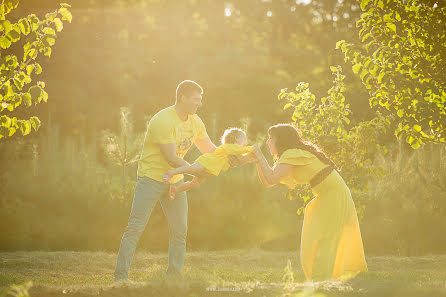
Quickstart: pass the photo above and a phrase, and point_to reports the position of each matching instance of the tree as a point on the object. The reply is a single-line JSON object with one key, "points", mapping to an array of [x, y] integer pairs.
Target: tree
{"points": [[350, 146], [401, 59], [15, 73]]}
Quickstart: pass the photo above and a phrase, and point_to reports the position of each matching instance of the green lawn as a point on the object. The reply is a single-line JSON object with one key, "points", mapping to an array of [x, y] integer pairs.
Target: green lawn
{"points": [[226, 273]]}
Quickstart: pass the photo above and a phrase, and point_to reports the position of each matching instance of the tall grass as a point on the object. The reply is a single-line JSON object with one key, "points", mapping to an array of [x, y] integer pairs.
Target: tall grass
{"points": [[67, 193]]}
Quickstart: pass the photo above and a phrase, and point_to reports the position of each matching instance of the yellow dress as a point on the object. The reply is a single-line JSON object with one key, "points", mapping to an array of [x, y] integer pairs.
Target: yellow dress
{"points": [[331, 244], [218, 162]]}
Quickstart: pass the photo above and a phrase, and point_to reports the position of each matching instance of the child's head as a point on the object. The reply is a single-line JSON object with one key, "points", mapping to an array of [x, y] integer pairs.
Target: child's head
{"points": [[234, 136]]}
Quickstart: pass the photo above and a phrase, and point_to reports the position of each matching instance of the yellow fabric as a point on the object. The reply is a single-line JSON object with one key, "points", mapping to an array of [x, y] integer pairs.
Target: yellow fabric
{"points": [[166, 127], [331, 243], [218, 162], [296, 157]]}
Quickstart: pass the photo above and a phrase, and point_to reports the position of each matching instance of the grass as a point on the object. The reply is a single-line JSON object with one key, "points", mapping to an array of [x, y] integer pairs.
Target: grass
{"points": [[227, 273]]}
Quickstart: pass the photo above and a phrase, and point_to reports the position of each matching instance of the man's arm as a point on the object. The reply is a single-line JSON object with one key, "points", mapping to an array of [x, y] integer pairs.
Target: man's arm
{"points": [[205, 145], [169, 153]]}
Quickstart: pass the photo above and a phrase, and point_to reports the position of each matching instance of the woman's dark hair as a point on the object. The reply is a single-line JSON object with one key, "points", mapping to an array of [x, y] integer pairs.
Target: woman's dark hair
{"points": [[288, 137]]}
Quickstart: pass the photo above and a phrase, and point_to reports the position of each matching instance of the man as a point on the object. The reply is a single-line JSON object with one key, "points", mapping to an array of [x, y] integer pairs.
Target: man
{"points": [[170, 134]]}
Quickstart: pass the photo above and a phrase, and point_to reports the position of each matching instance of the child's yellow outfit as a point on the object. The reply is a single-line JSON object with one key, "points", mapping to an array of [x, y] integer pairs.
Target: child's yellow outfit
{"points": [[218, 162], [331, 244]]}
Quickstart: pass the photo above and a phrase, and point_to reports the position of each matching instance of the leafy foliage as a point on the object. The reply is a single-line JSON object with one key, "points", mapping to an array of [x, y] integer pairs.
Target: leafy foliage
{"points": [[401, 59], [15, 72], [351, 147]]}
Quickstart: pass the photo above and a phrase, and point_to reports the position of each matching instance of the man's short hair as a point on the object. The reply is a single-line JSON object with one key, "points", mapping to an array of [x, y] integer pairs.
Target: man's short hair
{"points": [[187, 88]]}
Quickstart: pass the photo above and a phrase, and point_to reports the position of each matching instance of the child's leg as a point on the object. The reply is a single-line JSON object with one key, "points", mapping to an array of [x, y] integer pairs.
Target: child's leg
{"points": [[192, 169], [190, 185]]}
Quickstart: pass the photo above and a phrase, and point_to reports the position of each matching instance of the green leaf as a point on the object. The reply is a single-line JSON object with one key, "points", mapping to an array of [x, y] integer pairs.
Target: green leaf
{"points": [[356, 67], [288, 105], [391, 27], [34, 22], [364, 72], [14, 35], [339, 43], [49, 31], [12, 131], [65, 5], [381, 4], [364, 4], [4, 42], [24, 26], [35, 91], [388, 18], [59, 24], [26, 127], [35, 122], [32, 53], [47, 52], [18, 84], [29, 69], [365, 37], [66, 15], [410, 139], [44, 96], [50, 40], [38, 68], [26, 97], [416, 145], [6, 26], [400, 113], [381, 76], [416, 128], [51, 16]]}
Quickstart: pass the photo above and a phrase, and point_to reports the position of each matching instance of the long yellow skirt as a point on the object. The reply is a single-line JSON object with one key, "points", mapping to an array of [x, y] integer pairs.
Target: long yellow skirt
{"points": [[331, 243]]}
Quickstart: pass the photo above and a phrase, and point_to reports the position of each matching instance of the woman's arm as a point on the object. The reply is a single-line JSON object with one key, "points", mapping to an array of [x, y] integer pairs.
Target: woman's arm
{"points": [[270, 176], [262, 177]]}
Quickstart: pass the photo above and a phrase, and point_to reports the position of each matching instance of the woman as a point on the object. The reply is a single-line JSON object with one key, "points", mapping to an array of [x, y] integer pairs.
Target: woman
{"points": [[331, 244]]}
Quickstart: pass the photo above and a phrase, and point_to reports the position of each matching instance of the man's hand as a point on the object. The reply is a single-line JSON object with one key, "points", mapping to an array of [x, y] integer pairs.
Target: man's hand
{"points": [[168, 152], [166, 177]]}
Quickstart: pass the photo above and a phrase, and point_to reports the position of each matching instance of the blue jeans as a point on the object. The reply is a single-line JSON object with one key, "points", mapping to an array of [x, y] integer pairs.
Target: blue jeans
{"points": [[147, 193]]}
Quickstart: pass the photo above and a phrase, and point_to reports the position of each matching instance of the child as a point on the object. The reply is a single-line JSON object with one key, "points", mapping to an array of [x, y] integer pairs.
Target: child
{"points": [[233, 141]]}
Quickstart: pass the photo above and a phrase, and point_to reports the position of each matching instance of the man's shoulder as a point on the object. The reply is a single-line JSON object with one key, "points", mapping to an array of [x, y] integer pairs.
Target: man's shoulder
{"points": [[163, 114]]}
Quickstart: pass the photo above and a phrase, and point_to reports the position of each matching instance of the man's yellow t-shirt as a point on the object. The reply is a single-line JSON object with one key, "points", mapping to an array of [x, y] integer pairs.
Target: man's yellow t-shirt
{"points": [[166, 127]]}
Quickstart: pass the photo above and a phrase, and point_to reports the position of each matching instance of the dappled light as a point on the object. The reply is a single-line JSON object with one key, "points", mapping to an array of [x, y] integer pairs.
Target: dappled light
{"points": [[222, 148]]}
